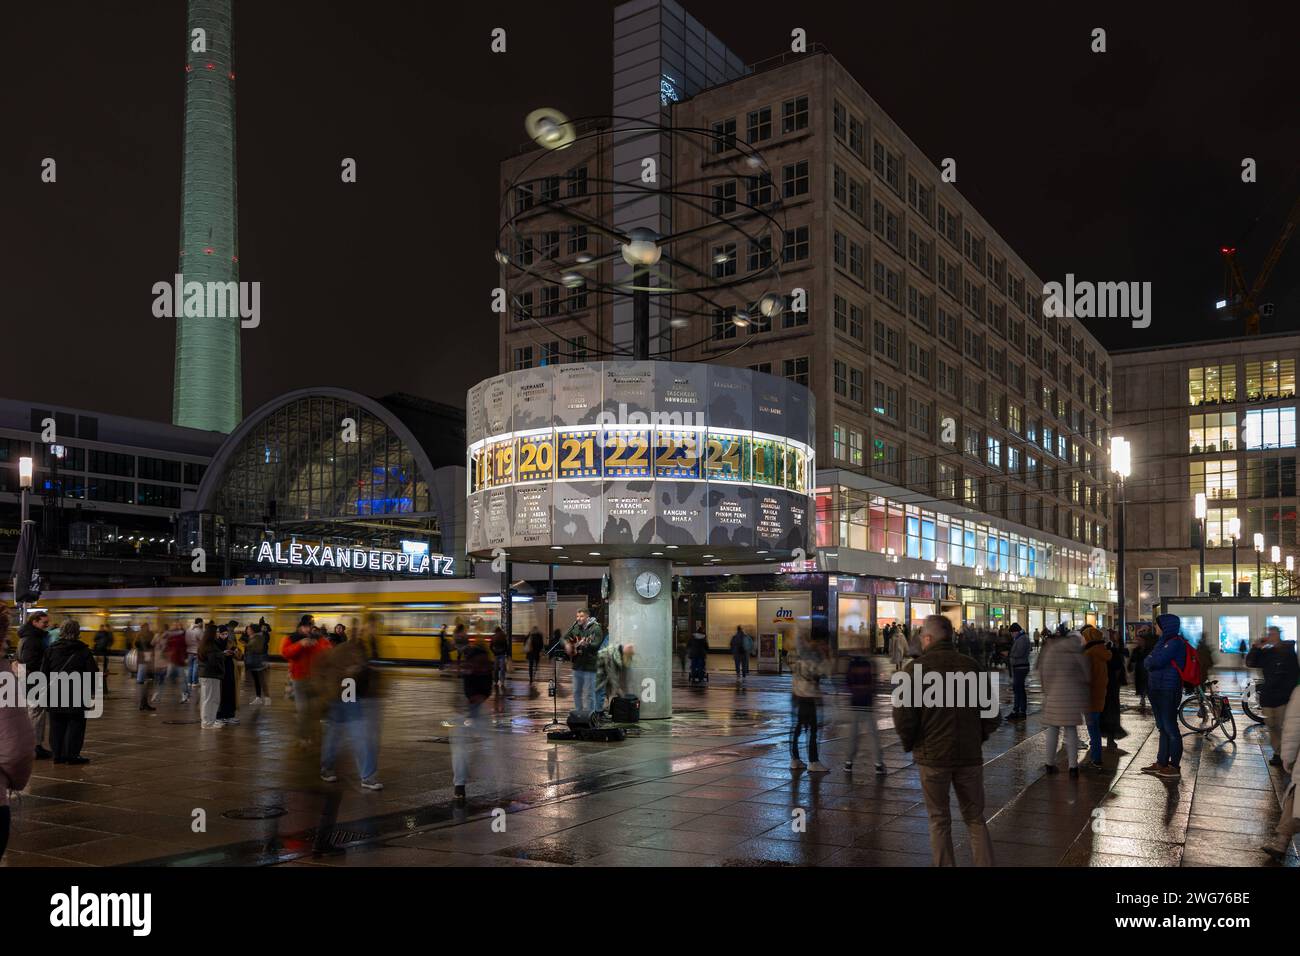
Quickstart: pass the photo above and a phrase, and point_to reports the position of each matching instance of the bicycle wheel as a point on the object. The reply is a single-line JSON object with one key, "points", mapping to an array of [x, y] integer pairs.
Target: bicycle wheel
{"points": [[1195, 714], [1226, 722], [1250, 703]]}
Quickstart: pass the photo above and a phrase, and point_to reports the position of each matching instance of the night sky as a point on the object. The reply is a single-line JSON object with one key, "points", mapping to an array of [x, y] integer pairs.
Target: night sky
{"points": [[1118, 166]]}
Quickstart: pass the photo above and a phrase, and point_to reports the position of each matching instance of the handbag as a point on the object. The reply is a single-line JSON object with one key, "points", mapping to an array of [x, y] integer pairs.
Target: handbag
{"points": [[130, 661]]}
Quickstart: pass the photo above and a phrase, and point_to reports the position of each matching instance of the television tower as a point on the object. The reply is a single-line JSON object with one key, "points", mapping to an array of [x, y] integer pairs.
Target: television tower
{"points": [[207, 388]]}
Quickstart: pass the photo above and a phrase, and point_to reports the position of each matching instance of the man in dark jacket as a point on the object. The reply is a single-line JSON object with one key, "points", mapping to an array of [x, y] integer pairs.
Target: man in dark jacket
{"points": [[32, 638], [1019, 660], [1277, 659], [861, 683], [946, 739]]}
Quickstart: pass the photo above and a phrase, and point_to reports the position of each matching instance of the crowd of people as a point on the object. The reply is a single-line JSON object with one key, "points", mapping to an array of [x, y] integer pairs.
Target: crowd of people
{"points": [[334, 686]]}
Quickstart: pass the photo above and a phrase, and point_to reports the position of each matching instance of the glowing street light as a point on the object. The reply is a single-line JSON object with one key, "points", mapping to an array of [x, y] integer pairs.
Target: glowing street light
{"points": [[1121, 463], [1200, 516]]}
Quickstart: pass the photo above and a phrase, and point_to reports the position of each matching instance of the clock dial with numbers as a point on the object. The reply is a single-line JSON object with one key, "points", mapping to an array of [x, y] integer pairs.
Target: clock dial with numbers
{"points": [[648, 584]]}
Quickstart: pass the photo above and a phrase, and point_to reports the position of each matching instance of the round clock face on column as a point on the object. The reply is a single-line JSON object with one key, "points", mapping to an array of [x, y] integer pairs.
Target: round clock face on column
{"points": [[648, 584]]}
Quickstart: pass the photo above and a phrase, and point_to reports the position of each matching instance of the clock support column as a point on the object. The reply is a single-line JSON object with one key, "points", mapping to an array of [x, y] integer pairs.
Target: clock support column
{"points": [[648, 624]]}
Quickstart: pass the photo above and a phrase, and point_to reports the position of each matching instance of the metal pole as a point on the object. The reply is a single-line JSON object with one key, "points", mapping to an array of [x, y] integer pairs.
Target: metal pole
{"points": [[1259, 575], [1234, 567], [1119, 564], [22, 525], [640, 314], [550, 611], [1200, 588]]}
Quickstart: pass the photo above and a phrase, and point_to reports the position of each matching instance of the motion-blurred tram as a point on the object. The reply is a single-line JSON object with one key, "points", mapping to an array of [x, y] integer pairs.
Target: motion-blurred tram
{"points": [[410, 613]]}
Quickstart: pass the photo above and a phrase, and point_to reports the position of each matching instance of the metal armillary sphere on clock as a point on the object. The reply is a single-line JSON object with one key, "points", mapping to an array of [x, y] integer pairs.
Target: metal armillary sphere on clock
{"points": [[683, 272]]}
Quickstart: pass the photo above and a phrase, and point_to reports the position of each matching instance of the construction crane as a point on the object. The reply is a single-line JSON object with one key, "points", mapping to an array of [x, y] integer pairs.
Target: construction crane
{"points": [[1240, 302]]}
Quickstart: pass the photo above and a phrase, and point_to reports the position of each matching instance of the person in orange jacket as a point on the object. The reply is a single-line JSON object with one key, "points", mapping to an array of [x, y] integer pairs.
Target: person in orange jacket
{"points": [[300, 649]]}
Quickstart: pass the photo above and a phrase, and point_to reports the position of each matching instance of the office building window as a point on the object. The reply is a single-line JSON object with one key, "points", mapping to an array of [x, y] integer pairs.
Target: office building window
{"points": [[758, 125], [1266, 381], [724, 135], [794, 114]]}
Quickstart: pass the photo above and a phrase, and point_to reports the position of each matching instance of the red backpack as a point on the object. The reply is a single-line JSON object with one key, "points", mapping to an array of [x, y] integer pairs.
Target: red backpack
{"points": [[1190, 672]]}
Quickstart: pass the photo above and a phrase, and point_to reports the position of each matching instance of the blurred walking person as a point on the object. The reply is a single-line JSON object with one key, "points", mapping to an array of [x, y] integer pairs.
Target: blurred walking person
{"points": [[807, 670], [69, 697], [500, 657], [103, 644], [1289, 821], [897, 648], [347, 688], [947, 744], [473, 731], [145, 667], [17, 742], [1277, 659], [301, 650], [533, 652], [742, 645], [1139, 670], [1065, 675], [193, 637], [861, 683]]}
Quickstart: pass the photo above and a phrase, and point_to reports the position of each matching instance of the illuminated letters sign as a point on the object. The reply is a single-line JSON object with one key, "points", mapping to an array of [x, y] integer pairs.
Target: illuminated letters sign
{"points": [[298, 554]]}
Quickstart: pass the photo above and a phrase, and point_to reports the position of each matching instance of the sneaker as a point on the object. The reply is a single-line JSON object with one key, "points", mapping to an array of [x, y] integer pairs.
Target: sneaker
{"points": [[329, 776], [42, 753], [797, 764], [372, 785], [77, 760], [818, 767], [1154, 768], [185, 698], [881, 769], [154, 698], [147, 706], [1170, 771], [848, 766], [231, 720], [213, 725], [460, 794]]}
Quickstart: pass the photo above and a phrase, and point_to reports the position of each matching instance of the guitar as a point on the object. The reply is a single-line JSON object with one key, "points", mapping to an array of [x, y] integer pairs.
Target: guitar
{"points": [[575, 646]]}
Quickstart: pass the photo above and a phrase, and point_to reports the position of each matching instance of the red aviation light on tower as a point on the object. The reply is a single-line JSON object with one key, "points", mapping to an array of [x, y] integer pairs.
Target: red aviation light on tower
{"points": [[1227, 250]]}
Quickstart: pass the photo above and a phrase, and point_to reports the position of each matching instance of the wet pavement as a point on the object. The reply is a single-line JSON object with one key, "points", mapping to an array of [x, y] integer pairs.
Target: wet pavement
{"points": [[711, 787]]}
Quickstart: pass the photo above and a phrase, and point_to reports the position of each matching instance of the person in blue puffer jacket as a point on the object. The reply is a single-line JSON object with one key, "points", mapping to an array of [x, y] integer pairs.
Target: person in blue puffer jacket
{"points": [[1165, 686]]}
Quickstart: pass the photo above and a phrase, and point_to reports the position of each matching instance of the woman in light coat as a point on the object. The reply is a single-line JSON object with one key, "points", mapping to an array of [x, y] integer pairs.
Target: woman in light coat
{"points": [[898, 650], [1065, 674], [1289, 822]]}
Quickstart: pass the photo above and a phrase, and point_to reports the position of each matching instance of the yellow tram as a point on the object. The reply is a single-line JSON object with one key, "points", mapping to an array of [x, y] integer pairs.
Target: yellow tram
{"points": [[410, 613]]}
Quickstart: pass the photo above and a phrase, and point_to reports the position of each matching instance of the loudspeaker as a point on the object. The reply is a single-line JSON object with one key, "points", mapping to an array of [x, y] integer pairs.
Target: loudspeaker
{"points": [[584, 720]]}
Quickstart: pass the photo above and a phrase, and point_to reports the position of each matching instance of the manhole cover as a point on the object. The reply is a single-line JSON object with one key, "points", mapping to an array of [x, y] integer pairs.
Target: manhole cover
{"points": [[180, 721], [255, 813]]}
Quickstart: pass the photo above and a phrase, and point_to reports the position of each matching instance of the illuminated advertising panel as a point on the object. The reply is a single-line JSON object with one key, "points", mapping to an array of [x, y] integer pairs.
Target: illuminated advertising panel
{"points": [[769, 461]]}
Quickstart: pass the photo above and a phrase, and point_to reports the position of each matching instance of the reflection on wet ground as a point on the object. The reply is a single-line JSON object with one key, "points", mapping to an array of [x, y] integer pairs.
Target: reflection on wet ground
{"points": [[711, 787]]}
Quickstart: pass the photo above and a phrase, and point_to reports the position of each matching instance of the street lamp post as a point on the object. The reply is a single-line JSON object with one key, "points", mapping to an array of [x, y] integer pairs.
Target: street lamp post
{"points": [[1290, 571], [25, 486], [1277, 559], [1234, 532], [1200, 516], [1259, 554], [1121, 464]]}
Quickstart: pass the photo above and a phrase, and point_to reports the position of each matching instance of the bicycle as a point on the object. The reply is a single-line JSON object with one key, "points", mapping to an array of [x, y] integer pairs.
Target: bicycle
{"points": [[1250, 700], [1204, 710]]}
